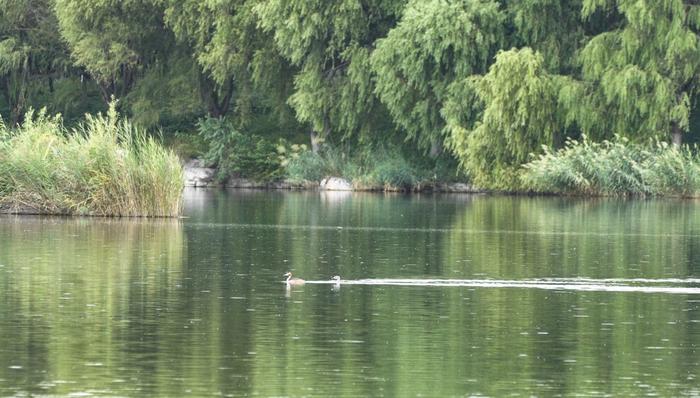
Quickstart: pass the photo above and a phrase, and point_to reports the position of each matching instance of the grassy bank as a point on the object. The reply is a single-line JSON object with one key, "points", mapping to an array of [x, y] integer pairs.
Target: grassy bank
{"points": [[104, 167], [615, 168], [376, 169]]}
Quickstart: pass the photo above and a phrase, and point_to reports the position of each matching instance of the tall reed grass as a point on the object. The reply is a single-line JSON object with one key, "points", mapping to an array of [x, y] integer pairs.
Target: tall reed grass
{"points": [[104, 167], [615, 168]]}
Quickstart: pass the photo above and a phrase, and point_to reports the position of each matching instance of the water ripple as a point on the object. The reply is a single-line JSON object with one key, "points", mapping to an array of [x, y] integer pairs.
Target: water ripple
{"points": [[641, 285], [437, 230]]}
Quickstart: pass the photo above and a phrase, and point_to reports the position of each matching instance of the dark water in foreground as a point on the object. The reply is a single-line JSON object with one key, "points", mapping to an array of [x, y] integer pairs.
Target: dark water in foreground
{"points": [[195, 308]]}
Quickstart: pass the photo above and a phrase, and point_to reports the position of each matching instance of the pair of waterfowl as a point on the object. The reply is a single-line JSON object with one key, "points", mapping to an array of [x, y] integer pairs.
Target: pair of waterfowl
{"points": [[299, 281]]}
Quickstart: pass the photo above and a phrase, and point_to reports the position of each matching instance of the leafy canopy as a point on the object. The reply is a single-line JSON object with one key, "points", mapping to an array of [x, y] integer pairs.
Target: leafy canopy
{"points": [[329, 43], [639, 76], [436, 43], [518, 112]]}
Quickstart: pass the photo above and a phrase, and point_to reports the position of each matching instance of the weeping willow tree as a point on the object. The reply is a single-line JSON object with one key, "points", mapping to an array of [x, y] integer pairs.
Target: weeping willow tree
{"points": [[436, 43], [221, 38], [31, 53], [115, 41], [639, 76], [496, 120], [329, 43], [551, 27]]}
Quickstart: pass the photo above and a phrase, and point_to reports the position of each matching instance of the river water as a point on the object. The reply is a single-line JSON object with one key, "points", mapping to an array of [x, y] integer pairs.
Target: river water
{"points": [[441, 295]]}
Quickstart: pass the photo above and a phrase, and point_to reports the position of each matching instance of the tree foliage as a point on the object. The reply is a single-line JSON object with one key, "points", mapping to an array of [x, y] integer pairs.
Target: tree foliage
{"points": [[30, 51], [436, 43], [518, 112], [330, 44], [113, 40], [552, 27], [368, 71], [640, 75], [223, 38]]}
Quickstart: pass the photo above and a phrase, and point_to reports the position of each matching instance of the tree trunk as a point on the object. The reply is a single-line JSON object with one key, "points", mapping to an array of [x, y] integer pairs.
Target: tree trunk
{"points": [[8, 98], [15, 97], [435, 148], [105, 91], [318, 139], [216, 107], [315, 141], [676, 135]]}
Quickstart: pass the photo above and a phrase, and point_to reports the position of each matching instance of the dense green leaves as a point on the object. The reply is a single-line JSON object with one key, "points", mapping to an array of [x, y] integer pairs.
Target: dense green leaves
{"points": [[641, 74], [363, 72], [517, 100], [30, 51], [113, 40], [329, 43], [552, 27], [436, 43]]}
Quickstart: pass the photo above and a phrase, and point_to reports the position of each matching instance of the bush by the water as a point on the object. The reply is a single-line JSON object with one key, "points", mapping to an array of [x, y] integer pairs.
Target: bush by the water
{"points": [[374, 169], [104, 167], [616, 168], [236, 154]]}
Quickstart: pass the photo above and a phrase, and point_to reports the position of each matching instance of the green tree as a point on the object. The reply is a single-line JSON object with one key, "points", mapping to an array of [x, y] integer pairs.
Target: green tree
{"points": [[517, 111], [220, 36], [436, 43], [330, 45], [552, 27], [114, 40], [31, 53], [639, 76]]}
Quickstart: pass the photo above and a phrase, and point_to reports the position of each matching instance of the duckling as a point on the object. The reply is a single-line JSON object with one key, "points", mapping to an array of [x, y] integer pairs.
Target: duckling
{"points": [[336, 283]]}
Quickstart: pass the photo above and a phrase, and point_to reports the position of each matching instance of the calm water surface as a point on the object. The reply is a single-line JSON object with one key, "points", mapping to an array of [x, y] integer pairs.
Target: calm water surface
{"points": [[195, 307]]}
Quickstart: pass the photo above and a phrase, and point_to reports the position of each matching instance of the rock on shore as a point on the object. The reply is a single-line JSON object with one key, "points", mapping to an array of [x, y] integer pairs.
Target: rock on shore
{"points": [[335, 184], [197, 175]]}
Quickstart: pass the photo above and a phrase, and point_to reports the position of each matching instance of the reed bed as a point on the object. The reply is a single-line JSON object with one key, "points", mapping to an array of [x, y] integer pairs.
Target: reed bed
{"points": [[103, 167], [616, 168]]}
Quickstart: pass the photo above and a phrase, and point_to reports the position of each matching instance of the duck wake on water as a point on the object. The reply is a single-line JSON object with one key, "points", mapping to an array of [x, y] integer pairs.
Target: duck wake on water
{"points": [[668, 285]]}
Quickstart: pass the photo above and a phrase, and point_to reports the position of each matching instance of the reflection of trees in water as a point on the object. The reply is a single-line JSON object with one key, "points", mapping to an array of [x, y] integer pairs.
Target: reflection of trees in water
{"points": [[214, 304], [85, 291], [529, 238], [370, 248], [541, 237]]}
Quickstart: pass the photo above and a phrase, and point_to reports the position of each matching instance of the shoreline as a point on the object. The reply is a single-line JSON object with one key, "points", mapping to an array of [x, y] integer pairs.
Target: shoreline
{"points": [[198, 176]]}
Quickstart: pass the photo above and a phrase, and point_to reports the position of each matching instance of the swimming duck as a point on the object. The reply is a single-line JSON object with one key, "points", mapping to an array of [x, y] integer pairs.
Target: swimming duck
{"points": [[293, 281]]}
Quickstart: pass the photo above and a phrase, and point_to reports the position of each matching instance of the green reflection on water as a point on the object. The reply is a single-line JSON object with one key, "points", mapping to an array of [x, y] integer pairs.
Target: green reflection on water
{"points": [[146, 308]]}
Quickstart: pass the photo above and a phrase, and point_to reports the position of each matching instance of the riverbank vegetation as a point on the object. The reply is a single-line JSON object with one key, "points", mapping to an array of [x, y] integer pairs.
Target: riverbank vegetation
{"points": [[396, 89], [374, 169], [615, 168], [104, 166]]}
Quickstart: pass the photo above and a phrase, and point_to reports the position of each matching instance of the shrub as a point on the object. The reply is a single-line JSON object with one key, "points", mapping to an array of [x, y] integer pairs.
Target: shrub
{"points": [[368, 169], [104, 167], [307, 166], [237, 154], [615, 167], [392, 172]]}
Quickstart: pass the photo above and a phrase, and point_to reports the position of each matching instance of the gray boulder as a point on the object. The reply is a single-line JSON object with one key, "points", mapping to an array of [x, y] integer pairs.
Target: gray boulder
{"points": [[335, 184], [196, 175]]}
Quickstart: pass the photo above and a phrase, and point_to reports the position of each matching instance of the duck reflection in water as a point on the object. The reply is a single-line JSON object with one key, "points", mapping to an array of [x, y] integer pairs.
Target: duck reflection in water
{"points": [[336, 283]]}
